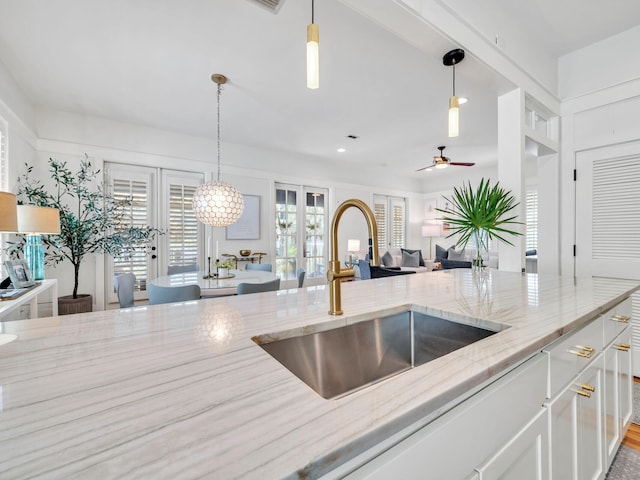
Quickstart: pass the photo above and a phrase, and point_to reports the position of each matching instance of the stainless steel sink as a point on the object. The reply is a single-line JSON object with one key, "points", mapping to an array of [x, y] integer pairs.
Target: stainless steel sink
{"points": [[339, 361]]}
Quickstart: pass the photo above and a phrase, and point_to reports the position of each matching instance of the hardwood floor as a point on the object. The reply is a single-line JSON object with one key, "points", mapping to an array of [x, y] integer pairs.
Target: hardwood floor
{"points": [[632, 438]]}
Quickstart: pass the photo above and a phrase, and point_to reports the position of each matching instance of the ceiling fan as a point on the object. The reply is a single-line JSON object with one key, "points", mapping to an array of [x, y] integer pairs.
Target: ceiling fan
{"points": [[443, 162]]}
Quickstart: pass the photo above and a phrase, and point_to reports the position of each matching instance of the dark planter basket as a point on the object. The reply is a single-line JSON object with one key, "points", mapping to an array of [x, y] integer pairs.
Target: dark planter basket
{"points": [[68, 305]]}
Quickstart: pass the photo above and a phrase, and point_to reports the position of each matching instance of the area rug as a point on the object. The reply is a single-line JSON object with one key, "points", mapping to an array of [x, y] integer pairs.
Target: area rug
{"points": [[635, 418], [625, 466]]}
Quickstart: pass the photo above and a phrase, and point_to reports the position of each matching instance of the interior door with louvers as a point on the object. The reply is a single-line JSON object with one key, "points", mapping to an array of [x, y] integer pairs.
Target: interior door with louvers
{"points": [[134, 188], [608, 220]]}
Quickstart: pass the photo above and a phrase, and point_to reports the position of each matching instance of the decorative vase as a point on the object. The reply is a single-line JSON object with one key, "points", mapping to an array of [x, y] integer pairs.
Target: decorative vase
{"points": [[481, 260]]}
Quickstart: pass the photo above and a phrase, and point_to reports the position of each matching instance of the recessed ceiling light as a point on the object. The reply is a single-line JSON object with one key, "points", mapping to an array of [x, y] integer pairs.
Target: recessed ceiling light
{"points": [[342, 150]]}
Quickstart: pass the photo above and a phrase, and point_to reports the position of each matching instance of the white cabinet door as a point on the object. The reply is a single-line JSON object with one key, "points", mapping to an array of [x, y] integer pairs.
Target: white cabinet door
{"points": [[590, 422], [525, 456], [612, 434], [618, 392], [577, 427]]}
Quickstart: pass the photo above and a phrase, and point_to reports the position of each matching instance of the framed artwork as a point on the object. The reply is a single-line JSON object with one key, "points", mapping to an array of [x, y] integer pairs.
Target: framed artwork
{"points": [[19, 273], [445, 205], [430, 206], [248, 225]]}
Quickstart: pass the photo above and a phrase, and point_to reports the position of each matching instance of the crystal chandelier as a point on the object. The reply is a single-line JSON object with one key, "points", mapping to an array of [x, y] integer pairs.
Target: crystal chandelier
{"points": [[218, 203]]}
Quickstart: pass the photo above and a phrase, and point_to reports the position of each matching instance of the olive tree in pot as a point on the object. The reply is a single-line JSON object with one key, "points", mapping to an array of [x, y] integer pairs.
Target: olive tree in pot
{"points": [[481, 214], [90, 222]]}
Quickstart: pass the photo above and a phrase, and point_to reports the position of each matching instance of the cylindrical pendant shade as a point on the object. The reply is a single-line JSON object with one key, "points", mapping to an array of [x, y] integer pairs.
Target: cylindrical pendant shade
{"points": [[38, 220], [454, 116], [8, 212], [313, 56], [218, 204]]}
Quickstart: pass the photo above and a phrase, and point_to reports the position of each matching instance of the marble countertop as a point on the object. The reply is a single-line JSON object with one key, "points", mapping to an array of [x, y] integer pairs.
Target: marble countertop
{"points": [[181, 390]]}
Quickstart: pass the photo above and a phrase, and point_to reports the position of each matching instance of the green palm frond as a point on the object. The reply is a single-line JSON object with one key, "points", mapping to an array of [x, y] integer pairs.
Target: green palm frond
{"points": [[485, 209]]}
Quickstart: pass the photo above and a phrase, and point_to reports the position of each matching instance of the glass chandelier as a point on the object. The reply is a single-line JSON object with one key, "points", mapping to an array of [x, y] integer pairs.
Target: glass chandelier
{"points": [[218, 203]]}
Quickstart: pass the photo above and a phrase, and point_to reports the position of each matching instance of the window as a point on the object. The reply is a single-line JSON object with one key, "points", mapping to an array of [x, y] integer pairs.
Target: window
{"points": [[4, 179], [183, 225], [532, 219], [390, 215]]}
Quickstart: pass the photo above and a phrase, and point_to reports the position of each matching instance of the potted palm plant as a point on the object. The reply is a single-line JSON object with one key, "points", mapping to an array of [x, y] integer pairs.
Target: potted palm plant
{"points": [[90, 222], [481, 214]]}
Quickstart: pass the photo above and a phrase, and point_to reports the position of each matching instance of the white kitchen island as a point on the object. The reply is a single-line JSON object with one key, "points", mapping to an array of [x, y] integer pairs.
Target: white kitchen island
{"points": [[181, 391]]}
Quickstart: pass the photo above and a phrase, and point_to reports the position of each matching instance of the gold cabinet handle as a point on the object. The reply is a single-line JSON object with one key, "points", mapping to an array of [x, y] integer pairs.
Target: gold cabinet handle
{"points": [[586, 349], [581, 353], [623, 347], [584, 393], [621, 318], [589, 388]]}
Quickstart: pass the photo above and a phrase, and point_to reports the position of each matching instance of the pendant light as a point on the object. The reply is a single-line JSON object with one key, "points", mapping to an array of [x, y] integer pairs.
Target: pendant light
{"points": [[450, 59], [218, 203], [313, 53]]}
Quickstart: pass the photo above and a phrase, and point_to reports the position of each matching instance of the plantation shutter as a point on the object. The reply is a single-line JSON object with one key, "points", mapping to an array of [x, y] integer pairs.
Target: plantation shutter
{"points": [[183, 226], [133, 198], [380, 214], [532, 219], [397, 222]]}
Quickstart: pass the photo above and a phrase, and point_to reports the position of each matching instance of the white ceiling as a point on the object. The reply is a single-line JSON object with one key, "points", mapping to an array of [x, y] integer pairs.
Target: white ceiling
{"points": [[149, 62]]}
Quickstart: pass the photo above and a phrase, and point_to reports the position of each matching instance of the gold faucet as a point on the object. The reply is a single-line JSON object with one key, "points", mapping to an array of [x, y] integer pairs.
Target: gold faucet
{"points": [[334, 274]]}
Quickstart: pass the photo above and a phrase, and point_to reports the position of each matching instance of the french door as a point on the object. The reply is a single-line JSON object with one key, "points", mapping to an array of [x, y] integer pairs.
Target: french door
{"points": [[301, 233], [157, 198]]}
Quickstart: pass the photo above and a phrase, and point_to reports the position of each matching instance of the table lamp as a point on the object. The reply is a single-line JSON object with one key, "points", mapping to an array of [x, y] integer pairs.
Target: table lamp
{"points": [[430, 230], [353, 247], [34, 221]]}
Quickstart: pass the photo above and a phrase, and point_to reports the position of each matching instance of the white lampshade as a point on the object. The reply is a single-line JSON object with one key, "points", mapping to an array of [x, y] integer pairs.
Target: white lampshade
{"points": [[8, 213], [218, 204], [430, 231], [38, 220], [353, 245]]}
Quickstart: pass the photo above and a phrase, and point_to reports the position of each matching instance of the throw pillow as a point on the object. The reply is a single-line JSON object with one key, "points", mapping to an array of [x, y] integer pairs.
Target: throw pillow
{"points": [[410, 259], [441, 253], [455, 255], [421, 260], [387, 260]]}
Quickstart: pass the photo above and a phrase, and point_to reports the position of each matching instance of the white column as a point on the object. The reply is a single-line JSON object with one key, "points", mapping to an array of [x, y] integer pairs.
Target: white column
{"points": [[511, 174], [549, 214]]}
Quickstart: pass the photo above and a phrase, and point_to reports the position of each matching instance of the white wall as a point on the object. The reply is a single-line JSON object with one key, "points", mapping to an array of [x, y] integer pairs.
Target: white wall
{"points": [[613, 61]]}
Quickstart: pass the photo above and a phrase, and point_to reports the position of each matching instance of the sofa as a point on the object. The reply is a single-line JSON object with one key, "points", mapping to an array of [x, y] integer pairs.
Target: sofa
{"points": [[449, 257], [394, 261]]}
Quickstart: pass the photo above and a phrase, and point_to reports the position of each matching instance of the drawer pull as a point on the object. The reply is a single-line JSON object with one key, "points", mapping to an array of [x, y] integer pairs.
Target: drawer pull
{"points": [[589, 388], [621, 318], [586, 349], [623, 347], [580, 353], [584, 393]]}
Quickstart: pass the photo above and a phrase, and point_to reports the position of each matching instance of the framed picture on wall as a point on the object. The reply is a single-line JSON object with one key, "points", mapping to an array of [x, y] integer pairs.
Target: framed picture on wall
{"points": [[19, 273], [248, 225]]}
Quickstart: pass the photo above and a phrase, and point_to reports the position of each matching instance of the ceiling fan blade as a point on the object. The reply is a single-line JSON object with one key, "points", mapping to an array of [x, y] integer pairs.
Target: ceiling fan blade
{"points": [[463, 164], [424, 168]]}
